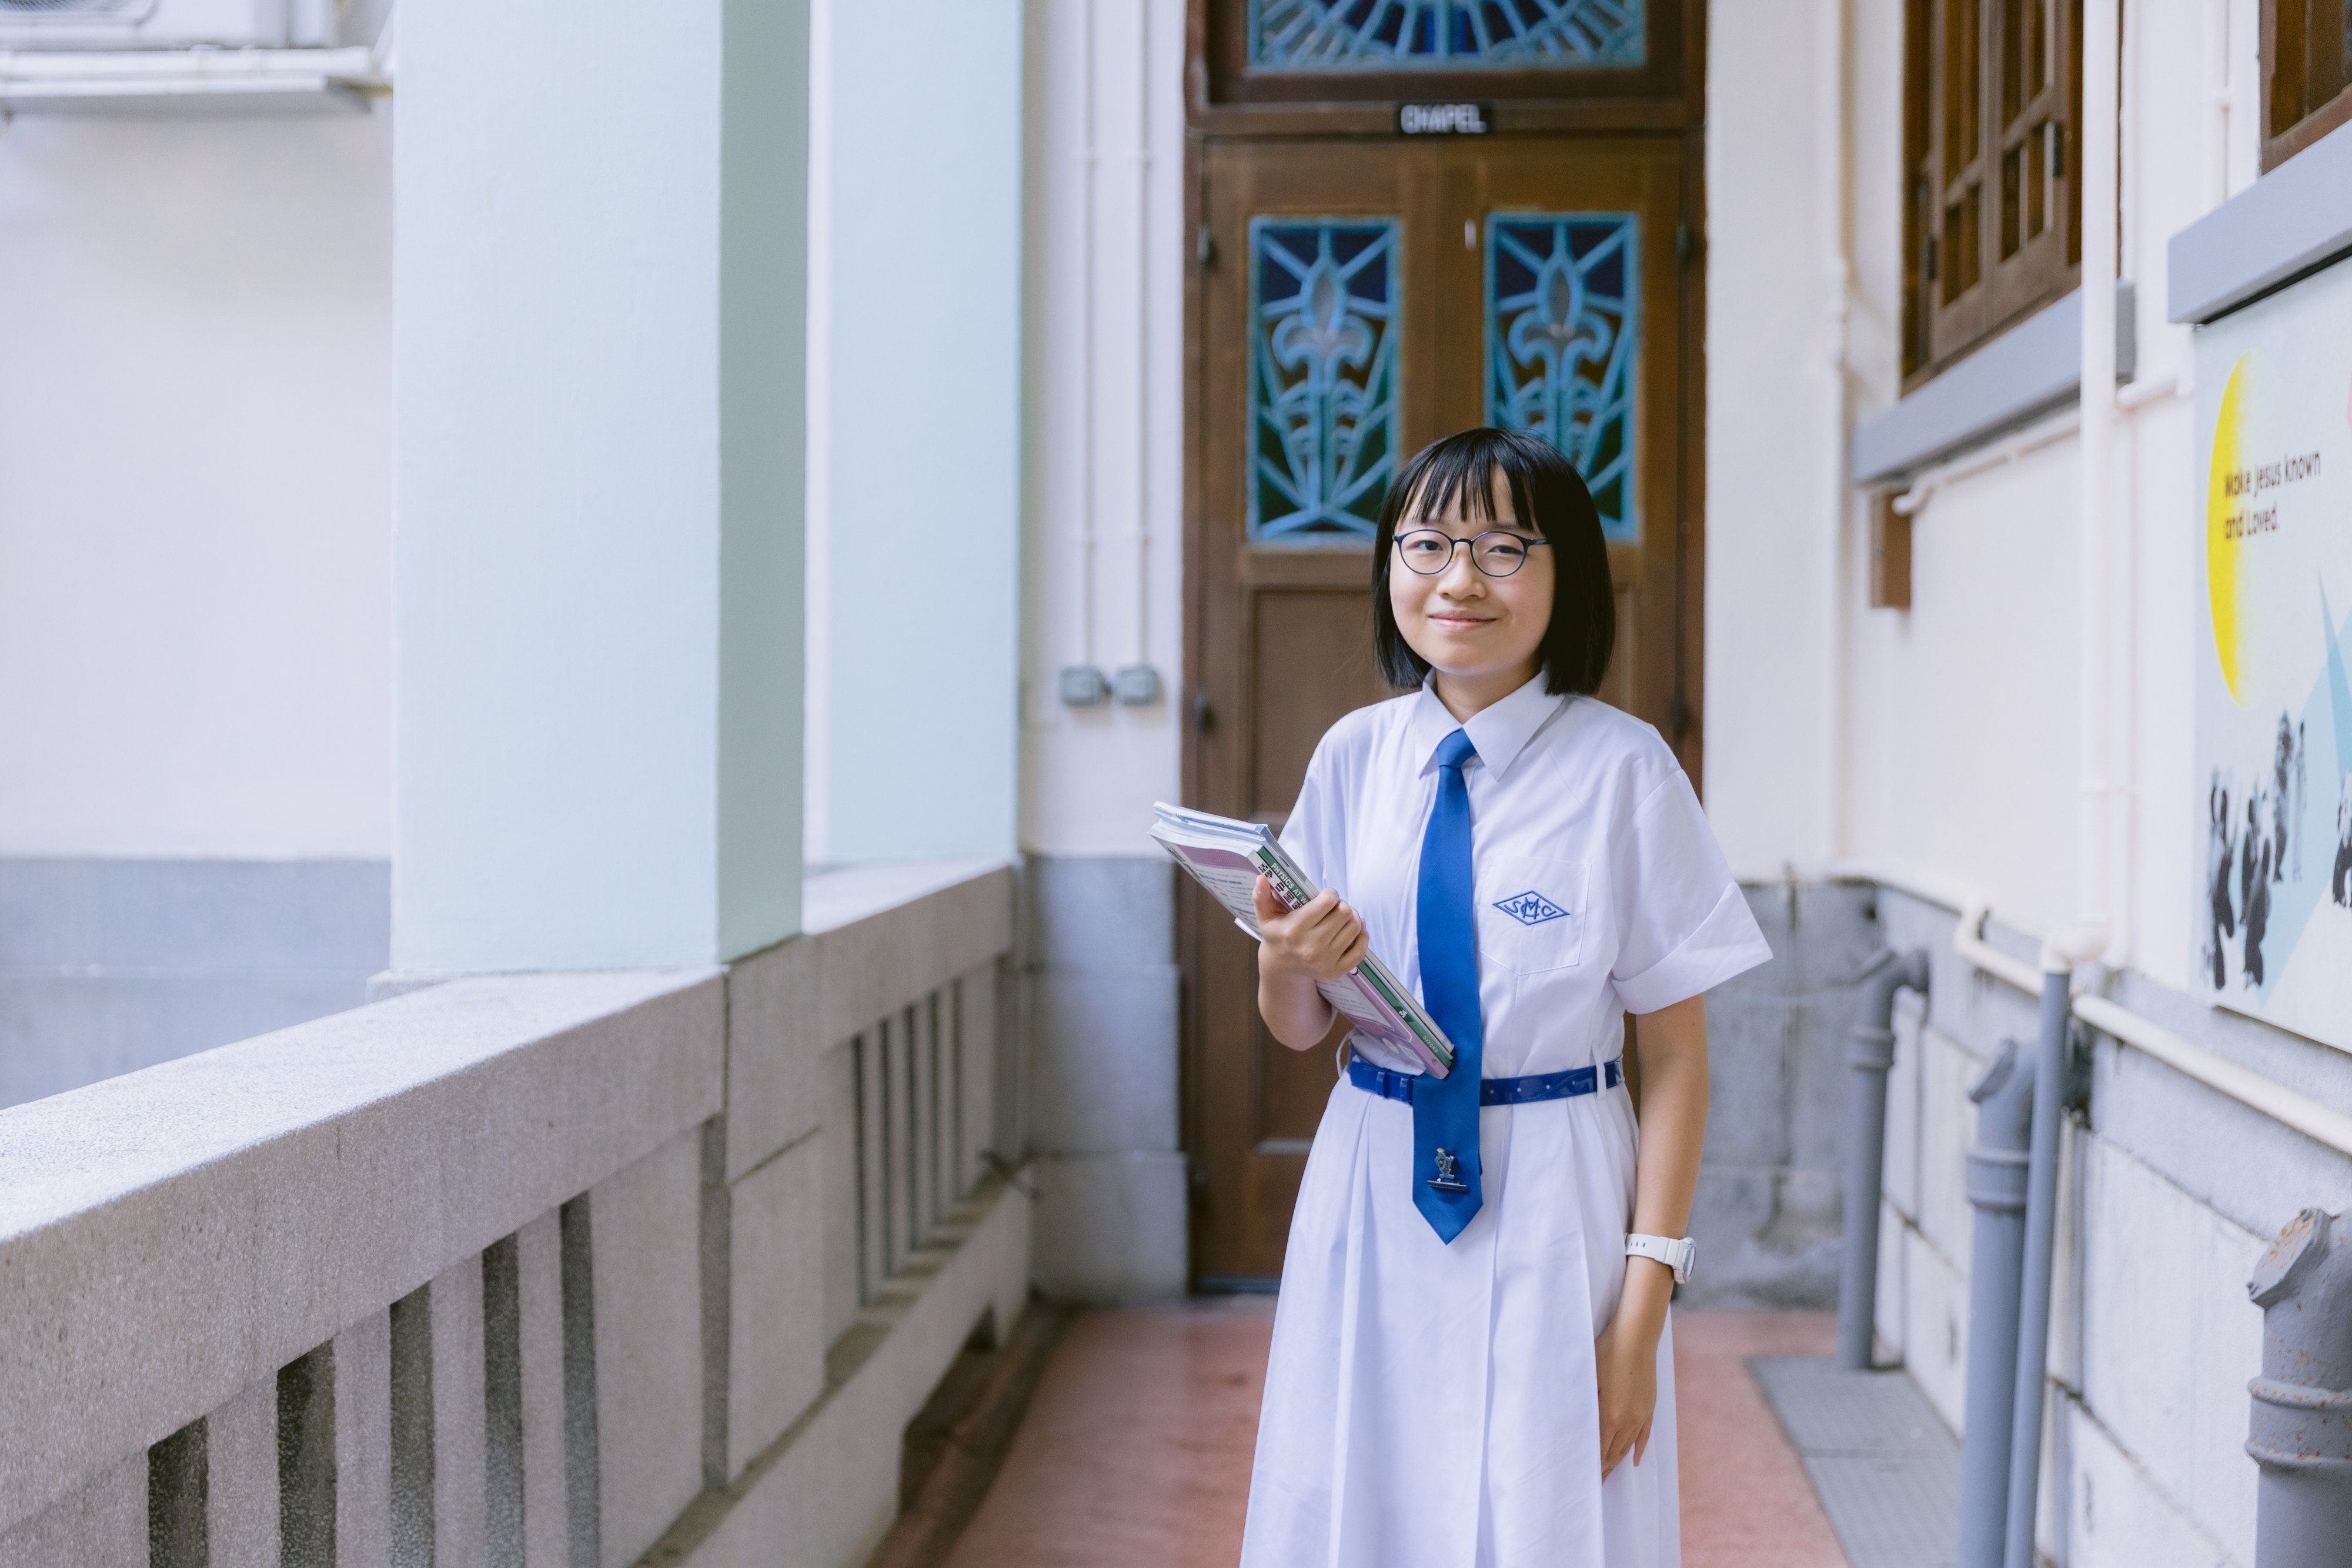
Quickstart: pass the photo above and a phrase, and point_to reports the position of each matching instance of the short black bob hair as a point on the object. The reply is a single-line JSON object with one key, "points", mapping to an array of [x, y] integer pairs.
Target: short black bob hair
{"points": [[1545, 490]]}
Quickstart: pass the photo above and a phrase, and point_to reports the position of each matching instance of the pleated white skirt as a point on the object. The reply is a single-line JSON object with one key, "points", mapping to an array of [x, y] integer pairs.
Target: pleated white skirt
{"points": [[1430, 1405]]}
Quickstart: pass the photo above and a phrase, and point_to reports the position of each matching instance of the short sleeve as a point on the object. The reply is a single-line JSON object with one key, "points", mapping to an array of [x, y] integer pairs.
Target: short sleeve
{"points": [[1316, 834], [1684, 925]]}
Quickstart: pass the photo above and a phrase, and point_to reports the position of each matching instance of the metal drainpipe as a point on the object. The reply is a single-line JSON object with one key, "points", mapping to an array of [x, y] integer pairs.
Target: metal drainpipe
{"points": [[2053, 1066], [1996, 1187], [2302, 1430], [1871, 1053]]}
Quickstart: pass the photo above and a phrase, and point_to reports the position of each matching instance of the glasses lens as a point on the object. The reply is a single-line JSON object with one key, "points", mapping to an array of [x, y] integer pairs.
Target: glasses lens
{"points": [[1425, 550], [1498, 555]]}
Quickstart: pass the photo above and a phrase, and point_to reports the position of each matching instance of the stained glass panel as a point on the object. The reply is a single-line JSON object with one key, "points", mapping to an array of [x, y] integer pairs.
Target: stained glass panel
{"points": [[1447, 34], [1563, 344], [1322, 385]]}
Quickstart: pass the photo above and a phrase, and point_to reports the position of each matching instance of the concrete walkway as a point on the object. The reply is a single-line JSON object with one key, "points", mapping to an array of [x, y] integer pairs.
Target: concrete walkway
{"points": [[1136, 1449]]}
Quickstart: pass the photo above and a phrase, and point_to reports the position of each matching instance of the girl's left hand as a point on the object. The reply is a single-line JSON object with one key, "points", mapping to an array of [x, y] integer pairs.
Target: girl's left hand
{"points": [[1628, 1372]]}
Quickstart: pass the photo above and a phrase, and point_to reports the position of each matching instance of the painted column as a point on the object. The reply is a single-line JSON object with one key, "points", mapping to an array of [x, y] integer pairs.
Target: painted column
{"points": [[599, 269], [914, 439], [1104, 276]]}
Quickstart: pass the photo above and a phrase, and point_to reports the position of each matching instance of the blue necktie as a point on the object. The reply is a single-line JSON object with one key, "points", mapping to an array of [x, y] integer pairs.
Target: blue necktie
{"points": [[1445, 1185]]}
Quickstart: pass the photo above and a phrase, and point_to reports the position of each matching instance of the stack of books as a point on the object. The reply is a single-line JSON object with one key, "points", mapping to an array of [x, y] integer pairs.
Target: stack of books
{"points": [[1393, 1029]]}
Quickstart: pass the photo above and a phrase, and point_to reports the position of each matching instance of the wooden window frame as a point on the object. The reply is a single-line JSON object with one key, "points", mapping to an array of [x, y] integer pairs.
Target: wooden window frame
{"points": [[2287, 26], [1992, 222]]}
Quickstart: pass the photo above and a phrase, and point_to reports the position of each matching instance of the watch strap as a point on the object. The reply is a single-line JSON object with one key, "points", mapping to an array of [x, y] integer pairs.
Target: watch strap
{"points": [[1676, 1253]]}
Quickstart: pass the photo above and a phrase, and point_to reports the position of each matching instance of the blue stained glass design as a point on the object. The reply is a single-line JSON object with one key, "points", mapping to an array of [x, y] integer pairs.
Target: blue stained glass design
{"points": [[1322, 382], [1447, 34], [1564, 342]]}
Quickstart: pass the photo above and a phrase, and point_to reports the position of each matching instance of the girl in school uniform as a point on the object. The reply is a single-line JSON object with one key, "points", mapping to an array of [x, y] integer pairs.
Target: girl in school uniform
{"points": [[1471, 1364]]}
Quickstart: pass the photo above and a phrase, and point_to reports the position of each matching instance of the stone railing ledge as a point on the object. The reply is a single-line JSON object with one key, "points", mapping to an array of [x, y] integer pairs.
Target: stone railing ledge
{"points": [[172, 1236], [880, 937], [835, 897]]}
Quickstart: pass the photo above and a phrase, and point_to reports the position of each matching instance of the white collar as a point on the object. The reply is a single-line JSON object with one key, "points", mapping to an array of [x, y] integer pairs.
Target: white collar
{"points": [[1499, 731]]}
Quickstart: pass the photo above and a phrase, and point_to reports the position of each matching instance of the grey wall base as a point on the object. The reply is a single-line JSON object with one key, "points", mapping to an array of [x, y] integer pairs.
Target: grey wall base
{"points": [[1111, 1227], [1771, 1198], [107, 966], [1099, 990]]}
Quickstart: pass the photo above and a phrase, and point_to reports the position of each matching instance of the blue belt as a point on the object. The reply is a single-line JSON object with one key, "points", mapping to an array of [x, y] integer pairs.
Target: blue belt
{"points": [[1376, 1080]]}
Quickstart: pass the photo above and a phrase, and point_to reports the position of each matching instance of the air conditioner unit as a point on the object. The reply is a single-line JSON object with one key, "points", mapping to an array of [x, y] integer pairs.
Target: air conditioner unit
{"points": [[184, 57], [167, 24]]}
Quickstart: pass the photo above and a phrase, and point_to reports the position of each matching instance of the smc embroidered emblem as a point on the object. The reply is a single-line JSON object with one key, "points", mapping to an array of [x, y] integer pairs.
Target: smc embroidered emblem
{"points": [[1530, 909]]}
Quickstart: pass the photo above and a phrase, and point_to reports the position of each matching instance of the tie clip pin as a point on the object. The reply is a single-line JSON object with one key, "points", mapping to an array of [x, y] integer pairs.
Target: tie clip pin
{"points": [[1446, 1179]]}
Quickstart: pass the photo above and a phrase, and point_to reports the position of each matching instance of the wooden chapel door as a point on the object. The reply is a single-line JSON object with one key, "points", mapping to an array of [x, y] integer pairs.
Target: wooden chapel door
{"points": [[1353, 299]]}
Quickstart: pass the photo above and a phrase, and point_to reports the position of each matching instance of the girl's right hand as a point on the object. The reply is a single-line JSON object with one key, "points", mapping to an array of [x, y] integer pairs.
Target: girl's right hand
{"points": [[1322, 939]]}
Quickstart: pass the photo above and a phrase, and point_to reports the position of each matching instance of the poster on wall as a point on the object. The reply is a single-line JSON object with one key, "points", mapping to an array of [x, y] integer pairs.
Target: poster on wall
{"points": [[2273, 906]]}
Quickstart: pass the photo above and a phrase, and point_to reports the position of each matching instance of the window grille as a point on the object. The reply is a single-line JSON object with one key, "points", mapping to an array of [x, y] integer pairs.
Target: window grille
{"points": [[1323, 379], [1563, 344], [1444, 35]]}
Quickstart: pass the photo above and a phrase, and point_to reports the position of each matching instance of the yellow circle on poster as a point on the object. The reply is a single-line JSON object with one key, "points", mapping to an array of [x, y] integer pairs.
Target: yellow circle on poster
{"points": [[2225, 506]]}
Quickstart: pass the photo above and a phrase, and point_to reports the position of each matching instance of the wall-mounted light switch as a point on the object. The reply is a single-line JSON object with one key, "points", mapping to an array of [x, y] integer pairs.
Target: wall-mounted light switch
{"points": [[1083, 685], [1137, 686]]}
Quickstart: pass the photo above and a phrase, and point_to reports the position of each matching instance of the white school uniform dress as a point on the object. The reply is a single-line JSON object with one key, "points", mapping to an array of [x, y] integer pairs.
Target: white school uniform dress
{"points": [[1433, 1406]]}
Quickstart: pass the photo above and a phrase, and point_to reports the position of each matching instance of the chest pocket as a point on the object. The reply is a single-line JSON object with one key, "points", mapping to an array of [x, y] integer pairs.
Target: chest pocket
{"points": [[1531, 913]]}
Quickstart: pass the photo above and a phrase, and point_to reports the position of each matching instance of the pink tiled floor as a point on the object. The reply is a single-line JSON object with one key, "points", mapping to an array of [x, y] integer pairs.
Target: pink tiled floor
{"points": [[1746, 1501], [1135, 1452]]}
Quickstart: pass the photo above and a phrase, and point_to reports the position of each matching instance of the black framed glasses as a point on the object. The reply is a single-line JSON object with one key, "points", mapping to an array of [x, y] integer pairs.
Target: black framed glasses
{"points": [[1430, 551]]}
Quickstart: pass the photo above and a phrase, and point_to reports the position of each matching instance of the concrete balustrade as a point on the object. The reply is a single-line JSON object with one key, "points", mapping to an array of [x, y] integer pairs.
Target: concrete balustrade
{"points": [[539, 1270]]}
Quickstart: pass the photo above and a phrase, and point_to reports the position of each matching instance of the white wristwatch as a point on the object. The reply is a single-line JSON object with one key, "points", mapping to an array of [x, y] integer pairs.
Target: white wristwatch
{"points": [[1676, 1255]]}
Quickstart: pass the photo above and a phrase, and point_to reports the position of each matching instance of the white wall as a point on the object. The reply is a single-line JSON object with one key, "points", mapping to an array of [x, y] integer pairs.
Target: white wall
{"points": [[1105, 439], [196, 498], [916, 455], [1768, 432], [1957, 763], [1959, 759], [1965, 710], [1102, 556], [195, 486]]}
